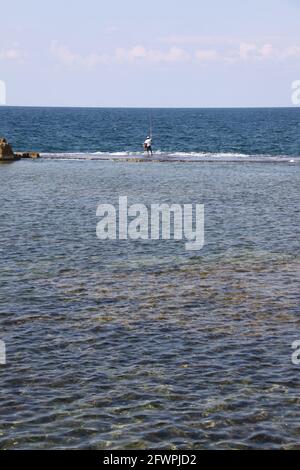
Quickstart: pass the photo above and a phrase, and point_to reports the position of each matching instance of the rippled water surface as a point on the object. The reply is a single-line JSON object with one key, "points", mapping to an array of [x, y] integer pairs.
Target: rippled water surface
{"points": [[205, 133], [142, 344]]}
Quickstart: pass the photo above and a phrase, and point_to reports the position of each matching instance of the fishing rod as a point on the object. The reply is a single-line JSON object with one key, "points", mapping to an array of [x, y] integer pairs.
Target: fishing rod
{"points": [[150, 124]]}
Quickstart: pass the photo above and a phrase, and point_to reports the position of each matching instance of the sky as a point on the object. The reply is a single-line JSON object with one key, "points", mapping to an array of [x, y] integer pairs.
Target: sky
{"points": [[158, 53]]}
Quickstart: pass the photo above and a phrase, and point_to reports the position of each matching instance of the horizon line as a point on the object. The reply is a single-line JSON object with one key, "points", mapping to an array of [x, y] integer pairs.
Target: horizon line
{"points": [[147, 107]]}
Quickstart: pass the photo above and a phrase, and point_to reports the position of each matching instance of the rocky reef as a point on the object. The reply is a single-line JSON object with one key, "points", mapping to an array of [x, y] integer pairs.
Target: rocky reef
{"points": [[7, 154], [6, 151]]}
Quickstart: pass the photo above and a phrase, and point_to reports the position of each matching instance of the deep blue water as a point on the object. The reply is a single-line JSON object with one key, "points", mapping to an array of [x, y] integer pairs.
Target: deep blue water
{"points": [[142, 344], [271, 132]]}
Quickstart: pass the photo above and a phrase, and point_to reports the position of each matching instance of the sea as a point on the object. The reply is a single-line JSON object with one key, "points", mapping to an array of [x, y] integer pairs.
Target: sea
{"points": [[142, 344]]}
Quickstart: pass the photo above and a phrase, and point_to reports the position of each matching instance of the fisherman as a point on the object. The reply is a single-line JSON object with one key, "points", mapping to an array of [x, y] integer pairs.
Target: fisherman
{"points": [[148, 145]]}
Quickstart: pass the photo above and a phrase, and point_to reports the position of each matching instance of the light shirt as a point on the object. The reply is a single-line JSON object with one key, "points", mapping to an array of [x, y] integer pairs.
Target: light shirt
{"points": [[148, 142]]}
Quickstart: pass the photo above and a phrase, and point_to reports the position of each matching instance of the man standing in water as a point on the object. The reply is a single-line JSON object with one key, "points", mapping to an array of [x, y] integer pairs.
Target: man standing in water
{"points": [[148, 145]]}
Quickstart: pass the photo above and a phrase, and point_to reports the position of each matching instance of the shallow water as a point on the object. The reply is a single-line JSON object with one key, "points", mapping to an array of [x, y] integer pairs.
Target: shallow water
{"points": [[142, 344]]}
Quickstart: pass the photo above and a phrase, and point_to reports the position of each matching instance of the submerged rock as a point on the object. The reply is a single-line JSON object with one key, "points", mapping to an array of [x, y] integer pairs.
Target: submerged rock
{"points": [[27, 155]]}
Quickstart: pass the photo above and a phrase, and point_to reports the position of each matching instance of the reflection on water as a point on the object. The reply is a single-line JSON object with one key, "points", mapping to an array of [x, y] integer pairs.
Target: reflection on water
{"points": [[142, 344]]}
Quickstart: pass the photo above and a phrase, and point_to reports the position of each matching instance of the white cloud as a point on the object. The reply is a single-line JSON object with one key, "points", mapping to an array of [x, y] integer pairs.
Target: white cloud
{"points": [[290, 52], [69, 58], [63, 53], [140, 53], [251, 51], [267, 50], [247, 52], [134, 54], [12, 54], [177, 55], [206, 55]]}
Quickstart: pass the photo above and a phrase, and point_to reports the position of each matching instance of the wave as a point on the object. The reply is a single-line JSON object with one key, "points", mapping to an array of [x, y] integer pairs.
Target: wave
{"points": [[159, 155]]}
